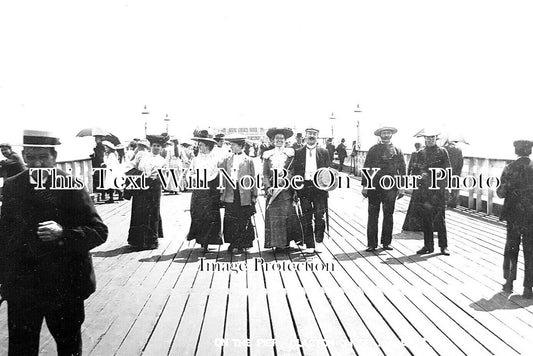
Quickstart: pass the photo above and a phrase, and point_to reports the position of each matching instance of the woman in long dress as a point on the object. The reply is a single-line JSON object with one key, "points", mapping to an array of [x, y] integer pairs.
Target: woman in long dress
{"points": [[174, 163], [281, 221], [145, 224], [205, 203], [239, 203]]}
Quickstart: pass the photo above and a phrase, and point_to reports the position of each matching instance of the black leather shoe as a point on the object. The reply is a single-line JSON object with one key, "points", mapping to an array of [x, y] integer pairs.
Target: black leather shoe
{"points": [[387, 247], [508, 287], [424, 251], [444, 251], [528, 293], [371, 249]]}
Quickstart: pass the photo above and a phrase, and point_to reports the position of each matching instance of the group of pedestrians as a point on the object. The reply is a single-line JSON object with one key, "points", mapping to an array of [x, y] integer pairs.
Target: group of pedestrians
{"points": [[283, 223]]}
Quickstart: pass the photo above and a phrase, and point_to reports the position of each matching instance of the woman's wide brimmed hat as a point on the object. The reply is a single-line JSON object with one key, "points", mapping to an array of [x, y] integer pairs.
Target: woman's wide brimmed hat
{"points": [[109, 144], [235, 138], [272, 132], [158, 139], [35, 138], [219, 137], [203, 136], [385, 127]]}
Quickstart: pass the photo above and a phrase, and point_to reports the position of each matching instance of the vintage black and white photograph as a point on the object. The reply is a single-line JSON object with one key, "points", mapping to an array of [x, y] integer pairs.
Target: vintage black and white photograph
{"points": [[266, 178]]}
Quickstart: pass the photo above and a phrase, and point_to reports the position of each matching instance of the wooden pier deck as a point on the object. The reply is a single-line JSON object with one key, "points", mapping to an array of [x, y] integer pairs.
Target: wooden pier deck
{"points": [[386, 303]]}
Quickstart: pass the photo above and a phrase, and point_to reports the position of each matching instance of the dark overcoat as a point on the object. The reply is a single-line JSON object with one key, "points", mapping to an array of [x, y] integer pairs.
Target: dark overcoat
{"points": [[60, 269]]}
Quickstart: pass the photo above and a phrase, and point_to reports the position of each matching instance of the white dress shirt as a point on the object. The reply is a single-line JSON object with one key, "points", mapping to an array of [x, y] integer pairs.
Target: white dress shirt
{"points": [[310, 162]]}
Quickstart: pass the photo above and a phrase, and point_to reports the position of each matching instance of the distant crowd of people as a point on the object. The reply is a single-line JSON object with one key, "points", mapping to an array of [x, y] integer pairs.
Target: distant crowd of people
{"points": [[46, 235]]}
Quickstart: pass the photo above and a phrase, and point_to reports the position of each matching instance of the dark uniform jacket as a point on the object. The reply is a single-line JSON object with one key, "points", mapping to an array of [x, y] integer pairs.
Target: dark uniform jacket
{"points": [[517, 188], [58, 269], [387, 158]]}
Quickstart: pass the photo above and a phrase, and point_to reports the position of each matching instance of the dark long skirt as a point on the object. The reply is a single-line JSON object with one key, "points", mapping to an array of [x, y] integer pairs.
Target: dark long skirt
{"points": [[238, 228], [145, 225], [281, 222], [413, 221], [425, 204], [205, 215]]}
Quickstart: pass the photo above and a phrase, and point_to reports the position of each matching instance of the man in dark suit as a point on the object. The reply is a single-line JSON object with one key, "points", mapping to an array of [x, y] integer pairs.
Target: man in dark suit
{"points": [[330, 147], [517, 189], [389, 160], [456, 161], [430, 204], [341, 152], [298, 144], [45, 266], [313, 200]]}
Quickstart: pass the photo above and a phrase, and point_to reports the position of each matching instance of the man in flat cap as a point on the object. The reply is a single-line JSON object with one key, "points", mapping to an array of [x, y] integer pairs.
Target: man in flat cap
{"points": [[517, 188], [389, 160], [45, 266], [430, 204], [313, 200]]}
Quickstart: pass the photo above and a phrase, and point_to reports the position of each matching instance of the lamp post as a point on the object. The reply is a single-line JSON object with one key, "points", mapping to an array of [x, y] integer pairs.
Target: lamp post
{"points": [[167, 120], [332, 118], [145, 114], [358, 111]]}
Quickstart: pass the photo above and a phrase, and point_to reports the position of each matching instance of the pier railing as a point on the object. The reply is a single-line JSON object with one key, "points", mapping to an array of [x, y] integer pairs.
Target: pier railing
{"points": [[480, 199], [79, 168]]}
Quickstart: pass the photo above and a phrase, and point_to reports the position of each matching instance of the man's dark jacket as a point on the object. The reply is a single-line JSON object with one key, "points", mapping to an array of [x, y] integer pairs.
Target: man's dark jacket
{"points": [[58, 269], [322, 159], [517, 188]]}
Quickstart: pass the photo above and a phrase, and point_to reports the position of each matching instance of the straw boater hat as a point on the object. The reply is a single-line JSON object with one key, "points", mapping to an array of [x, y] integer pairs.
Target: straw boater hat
{"points": [[109, 144], [272, 132], [310, 129], [236, 138], [203, 136], [324, 179], [34, 138], [383, 128]]}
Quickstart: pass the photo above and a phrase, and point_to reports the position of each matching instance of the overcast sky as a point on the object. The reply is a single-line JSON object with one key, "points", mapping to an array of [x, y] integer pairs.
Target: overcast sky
{"points": [[463, 66]]}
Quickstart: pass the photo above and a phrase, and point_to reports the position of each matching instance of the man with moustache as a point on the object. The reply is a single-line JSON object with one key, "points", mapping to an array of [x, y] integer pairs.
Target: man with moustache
{"points": [[389, 160], [313, 200]]}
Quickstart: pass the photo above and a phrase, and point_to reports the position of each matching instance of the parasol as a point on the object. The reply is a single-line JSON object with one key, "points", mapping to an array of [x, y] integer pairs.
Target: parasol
{"points": [[92, 131]]}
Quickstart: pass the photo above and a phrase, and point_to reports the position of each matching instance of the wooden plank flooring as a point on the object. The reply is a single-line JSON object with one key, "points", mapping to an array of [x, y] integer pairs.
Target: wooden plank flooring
{"points": [[385, 303]]}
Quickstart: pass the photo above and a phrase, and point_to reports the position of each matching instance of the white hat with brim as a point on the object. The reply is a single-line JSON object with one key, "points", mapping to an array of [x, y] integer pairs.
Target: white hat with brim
{"points": [[385, 128], [109, 144], [235, 138], [428, 132], [144, 143], [35, 138], [324, 179]]}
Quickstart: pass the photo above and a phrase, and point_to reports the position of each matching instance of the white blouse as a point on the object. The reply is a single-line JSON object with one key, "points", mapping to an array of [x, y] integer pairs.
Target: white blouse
{"points": [[208, 162], [149, 164]]}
